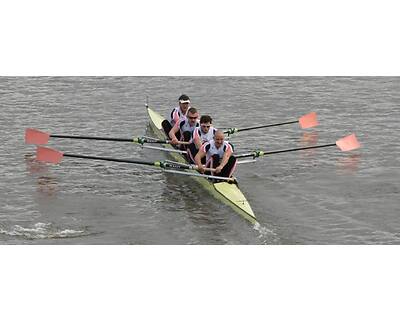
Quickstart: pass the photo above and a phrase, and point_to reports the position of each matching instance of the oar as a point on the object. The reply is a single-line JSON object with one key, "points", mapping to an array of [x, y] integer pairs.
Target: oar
{"points": [[347, 143], [34, 136], [307, 121], [45, 154], [171, 150]]}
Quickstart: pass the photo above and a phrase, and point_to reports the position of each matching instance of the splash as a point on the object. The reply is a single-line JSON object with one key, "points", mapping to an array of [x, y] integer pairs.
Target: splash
{"points": [[42, 230], [267, 235]]}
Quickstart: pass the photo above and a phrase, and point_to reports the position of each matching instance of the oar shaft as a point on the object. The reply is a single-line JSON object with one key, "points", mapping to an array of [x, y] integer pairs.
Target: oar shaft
{"points": [[303, 148], [173, 164], [165, 149], [307, 121], [139, 140], [267, 126], [90, 138], [254, 154], [111, 159], [160, 164]]}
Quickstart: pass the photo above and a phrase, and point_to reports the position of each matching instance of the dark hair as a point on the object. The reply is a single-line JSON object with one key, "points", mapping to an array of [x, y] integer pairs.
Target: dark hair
{"points": [[184, 97], [205, 119], [192, 110]]}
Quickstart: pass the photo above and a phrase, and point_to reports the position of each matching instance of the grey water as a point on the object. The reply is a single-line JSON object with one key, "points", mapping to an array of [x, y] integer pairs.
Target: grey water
{"points": [[320, 196]]}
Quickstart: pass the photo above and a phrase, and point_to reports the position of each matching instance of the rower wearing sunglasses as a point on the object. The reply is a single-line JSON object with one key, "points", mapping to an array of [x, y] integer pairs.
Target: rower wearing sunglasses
{"points": [[185, 127], [201, 135]]}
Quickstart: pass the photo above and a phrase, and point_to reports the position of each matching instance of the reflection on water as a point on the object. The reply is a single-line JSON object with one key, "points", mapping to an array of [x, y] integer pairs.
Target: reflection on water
{"points": [[33, 166], [309, 139], [349, 163], [47, 185]]}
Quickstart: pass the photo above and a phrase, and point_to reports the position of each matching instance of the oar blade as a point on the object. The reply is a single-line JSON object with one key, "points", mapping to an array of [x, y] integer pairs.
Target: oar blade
{"points": [[49, 155], [34, 136], [309, 120], [348, 143]]}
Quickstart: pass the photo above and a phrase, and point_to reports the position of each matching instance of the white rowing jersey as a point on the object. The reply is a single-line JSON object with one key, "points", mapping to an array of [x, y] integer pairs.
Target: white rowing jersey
{"points": [[204, 137], [176, 115], [184, 126], [209, 148]]}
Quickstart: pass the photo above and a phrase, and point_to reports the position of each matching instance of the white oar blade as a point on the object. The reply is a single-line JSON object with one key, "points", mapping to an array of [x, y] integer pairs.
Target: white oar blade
{"points": [[33, 136], [348, 143], [308, 120], [45, 154]]}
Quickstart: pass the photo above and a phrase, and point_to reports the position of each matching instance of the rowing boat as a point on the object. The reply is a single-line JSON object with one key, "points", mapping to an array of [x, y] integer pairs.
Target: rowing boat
{"points": [[228, 193]]}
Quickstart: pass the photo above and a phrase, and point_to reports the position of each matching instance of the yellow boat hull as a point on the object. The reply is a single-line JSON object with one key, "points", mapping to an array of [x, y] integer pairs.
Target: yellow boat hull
{"points": [[228, 193]]}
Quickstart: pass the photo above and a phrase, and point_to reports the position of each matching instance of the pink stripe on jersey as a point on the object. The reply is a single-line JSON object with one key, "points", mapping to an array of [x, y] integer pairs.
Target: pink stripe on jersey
{"points": [[175, 116], [229, 146], [203, 147], [233, 169], [196, 133]]}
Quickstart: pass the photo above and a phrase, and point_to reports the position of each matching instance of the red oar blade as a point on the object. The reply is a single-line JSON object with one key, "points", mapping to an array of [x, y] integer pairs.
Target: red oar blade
{"points": [[308, 120], [348, 143], [45, 154], [33, 136]]}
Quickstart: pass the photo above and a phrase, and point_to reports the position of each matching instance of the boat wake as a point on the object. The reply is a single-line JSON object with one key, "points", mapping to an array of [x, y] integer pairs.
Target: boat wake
{"points": [[42, 230], [268, 236]]}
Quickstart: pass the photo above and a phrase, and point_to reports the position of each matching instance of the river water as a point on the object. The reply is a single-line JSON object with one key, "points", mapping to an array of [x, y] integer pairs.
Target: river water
{"points": [[317, 196]]}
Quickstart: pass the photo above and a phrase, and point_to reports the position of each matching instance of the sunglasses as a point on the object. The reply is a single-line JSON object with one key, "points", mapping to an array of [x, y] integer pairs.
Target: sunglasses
{"points": [[205, 126], [193, 118]]}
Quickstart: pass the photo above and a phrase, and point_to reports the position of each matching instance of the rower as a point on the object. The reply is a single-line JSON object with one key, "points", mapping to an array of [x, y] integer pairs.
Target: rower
{"points": [[177, 114], [219, 155], [201, 135], [185, 127]]}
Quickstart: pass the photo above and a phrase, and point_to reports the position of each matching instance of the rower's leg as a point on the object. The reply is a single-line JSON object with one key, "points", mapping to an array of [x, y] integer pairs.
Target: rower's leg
{"points": [[214, 162], [191, 152], [187, 136], [229, 168], [166, 126], [209, 164]]}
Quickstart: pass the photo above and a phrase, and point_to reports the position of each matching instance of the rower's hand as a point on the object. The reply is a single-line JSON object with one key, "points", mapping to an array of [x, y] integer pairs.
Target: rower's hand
{"points": [[201, 169], [218, 169], [174, 141]]}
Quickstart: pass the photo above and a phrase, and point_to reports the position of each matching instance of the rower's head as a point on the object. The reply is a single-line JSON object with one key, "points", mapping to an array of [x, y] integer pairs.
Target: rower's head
{"points": [[184, 103], [192, 115], [219, 138], [205, 123]]}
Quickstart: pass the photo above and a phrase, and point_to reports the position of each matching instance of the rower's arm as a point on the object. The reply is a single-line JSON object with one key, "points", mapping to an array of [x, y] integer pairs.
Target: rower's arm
{"points": [[200, 155], [197, 142], [197, 160], [225, 158], [175, 116], [174, 130]]}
